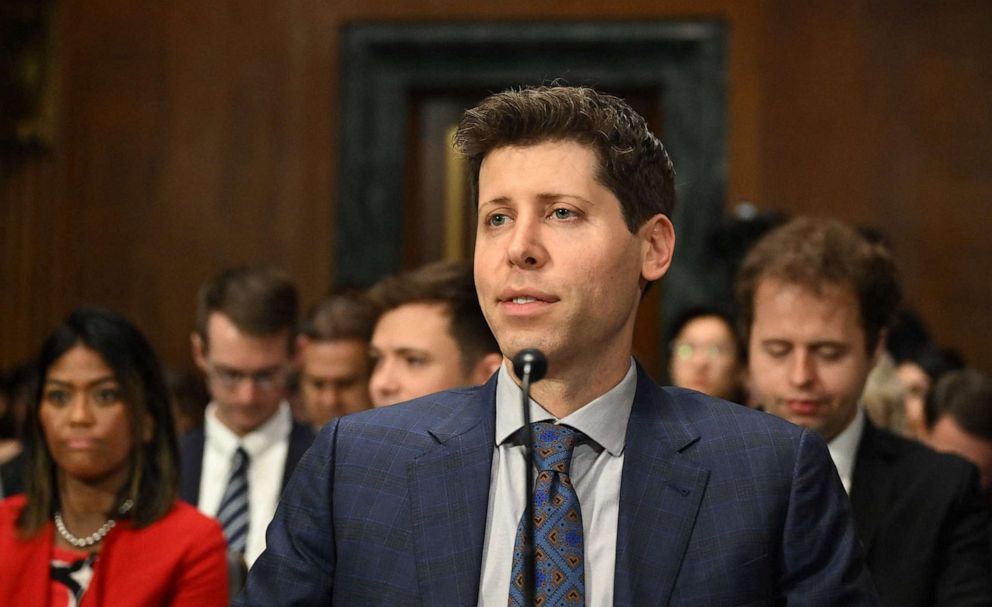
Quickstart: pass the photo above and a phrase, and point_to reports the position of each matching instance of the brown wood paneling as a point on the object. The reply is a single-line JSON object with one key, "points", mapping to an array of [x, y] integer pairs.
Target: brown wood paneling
{"points": [[194, 135], [881, 118]]}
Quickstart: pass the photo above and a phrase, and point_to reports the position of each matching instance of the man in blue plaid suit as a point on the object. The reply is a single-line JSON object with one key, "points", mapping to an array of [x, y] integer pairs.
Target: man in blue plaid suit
{"points": [[684, 499]]}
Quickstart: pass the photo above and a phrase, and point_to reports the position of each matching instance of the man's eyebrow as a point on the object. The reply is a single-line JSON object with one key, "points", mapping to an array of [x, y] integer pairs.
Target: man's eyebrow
{"points": [[406, 351], [550, 196], [543, 196]]}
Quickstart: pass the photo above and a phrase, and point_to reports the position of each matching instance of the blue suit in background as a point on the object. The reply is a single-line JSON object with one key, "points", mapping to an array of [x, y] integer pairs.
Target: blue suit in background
{"points": [[719, 505]]}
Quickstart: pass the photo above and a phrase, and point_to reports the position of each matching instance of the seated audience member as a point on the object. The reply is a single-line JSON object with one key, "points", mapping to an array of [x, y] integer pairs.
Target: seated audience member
{"points": [[334, 358], [918, 371], [706, 354], [235, 466], [431, 334], [816, 298], [883, 397], [101, 522], [959, 419]]}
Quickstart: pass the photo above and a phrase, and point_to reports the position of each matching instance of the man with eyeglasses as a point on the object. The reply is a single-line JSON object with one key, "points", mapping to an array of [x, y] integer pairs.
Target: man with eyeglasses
{"points": [[235, 466]]}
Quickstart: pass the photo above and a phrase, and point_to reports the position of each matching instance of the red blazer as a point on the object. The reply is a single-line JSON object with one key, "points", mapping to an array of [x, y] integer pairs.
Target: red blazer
{"points": [[178, 561]]}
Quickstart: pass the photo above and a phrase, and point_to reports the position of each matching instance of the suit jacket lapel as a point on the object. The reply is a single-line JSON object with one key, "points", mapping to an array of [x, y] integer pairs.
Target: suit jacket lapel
{"points": [[449, 499], [660, 493], [871, 484]]}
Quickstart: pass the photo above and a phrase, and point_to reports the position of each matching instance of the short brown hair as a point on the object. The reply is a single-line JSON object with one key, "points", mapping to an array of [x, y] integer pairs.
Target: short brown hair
{"points": [[259, 301], [966, 396], [633, 163], [452, 285], [342, 316], [815, 253]]}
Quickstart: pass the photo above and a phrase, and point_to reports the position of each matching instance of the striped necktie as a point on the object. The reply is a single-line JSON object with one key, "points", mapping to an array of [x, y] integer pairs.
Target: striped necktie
{"points": [[559, 568], [233, 511]]}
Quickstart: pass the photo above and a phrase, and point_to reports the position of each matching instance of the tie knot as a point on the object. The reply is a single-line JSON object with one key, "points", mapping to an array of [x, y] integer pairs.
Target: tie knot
{"points": [[240, 458], [553, 446]]}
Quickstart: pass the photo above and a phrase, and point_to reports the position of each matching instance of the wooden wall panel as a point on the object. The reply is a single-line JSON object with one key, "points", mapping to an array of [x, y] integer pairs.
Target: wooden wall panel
{"points": [[196, 135], [881, 119]]}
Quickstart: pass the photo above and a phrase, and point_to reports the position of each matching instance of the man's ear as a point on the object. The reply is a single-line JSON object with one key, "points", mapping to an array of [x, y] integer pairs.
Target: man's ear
{"points": [[199, 350], [657, 246], [485, 367]]}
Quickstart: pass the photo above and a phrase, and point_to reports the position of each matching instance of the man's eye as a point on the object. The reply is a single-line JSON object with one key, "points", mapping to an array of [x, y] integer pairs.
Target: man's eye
{"points": [[229, 376], [777, 350], [562, 213], [496, 220], [830, 353], [416, 361]]}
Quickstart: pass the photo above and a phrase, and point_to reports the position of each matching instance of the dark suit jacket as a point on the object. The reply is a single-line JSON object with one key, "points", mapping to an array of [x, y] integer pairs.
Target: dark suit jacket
{"points": [[12, 476], [921, 518], [191, 456], [719, 505]]}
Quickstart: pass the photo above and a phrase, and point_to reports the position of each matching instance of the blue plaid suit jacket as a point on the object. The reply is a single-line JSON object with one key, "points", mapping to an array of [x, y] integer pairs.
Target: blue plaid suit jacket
{"points": [[719, 505]]}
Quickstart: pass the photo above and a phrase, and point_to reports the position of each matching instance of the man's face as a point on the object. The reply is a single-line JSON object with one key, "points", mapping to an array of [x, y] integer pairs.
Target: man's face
{"points": [[334, 379], [414, 354], [555, 266], [246, 374], [807, 358], [948, 436]]}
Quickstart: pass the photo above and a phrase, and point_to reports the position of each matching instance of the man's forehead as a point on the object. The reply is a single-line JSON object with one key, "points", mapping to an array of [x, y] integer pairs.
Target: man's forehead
{"points": [[782, 303], [226, 341], [415, 322]]}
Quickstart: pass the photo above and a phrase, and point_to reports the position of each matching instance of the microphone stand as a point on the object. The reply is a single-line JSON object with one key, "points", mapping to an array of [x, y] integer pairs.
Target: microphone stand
{"points": [[530, 554], [529, 365]]}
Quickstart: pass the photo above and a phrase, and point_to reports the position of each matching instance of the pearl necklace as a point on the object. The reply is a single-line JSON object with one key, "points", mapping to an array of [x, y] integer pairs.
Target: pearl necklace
{"points": [[96, 537]]}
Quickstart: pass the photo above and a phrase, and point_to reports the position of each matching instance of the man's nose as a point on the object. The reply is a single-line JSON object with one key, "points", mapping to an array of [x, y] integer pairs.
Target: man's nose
{"points": [[526, 248], [384, 382], [246, 390], [803, 369]]}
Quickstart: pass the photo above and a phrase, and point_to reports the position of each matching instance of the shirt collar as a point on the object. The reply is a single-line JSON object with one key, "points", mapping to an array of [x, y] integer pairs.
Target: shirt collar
{"points": [[255, 442], [604, 419], [844, 447]]}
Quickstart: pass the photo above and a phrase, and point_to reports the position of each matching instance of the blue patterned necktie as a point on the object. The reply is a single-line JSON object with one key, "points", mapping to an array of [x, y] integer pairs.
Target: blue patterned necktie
{"points": [[559, 567], [233, 511]]}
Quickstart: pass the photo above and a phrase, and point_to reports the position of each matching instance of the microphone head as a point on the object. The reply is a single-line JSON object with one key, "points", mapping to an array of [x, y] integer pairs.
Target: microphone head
{"points": [[530, 362]]}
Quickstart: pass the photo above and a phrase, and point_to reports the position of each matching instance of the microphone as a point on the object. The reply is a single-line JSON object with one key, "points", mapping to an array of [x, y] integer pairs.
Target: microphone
{"points": [[530, 365]]}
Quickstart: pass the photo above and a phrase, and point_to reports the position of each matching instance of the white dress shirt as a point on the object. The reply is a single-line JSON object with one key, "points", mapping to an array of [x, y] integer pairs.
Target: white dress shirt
{"points": [[844, 448], [597, 466], [267, 447]]}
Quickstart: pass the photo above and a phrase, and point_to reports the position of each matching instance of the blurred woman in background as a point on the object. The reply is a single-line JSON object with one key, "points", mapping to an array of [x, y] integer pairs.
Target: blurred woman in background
{"points": [[100, 523], [706, 354]]}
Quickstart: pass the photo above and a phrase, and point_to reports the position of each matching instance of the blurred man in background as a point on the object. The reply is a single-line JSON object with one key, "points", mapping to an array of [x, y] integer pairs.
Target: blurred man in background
{"points": [[334, 358]]}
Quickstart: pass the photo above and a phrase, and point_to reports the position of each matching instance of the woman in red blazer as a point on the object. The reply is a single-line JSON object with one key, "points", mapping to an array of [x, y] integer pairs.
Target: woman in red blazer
{"points": [[100, 524]]}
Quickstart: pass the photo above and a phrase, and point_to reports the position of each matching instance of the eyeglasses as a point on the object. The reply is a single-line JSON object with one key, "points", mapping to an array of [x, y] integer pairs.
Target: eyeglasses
{"points": [[266, 380], [685, 350]]}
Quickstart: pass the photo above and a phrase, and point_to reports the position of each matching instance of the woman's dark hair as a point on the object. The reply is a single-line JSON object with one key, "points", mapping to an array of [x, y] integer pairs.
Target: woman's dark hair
{"points": [[688, 315], [154, 477]]}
